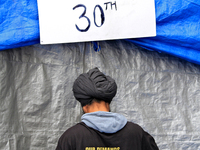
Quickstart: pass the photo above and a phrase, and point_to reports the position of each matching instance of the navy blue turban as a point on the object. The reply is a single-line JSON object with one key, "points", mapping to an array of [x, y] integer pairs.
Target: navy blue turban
{"points": [[94, 85]]}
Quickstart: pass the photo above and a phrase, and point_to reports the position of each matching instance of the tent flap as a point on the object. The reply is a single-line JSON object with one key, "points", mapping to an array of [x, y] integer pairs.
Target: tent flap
{"points": [[178, 28]]}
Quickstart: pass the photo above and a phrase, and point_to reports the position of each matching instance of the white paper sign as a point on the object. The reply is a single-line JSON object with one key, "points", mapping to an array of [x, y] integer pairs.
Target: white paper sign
{"points": [[64, 21]]}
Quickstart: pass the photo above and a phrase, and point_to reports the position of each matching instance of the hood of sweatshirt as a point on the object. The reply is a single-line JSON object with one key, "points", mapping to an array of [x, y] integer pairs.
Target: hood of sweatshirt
{"points": [[106, 122]]}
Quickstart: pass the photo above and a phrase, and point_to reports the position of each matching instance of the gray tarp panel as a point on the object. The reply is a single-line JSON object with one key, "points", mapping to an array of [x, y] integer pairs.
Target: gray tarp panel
{"points": [[159, 92]]}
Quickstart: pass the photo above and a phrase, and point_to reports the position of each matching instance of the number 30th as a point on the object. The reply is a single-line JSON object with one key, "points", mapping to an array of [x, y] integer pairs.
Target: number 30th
{"points": [[88, 20]]}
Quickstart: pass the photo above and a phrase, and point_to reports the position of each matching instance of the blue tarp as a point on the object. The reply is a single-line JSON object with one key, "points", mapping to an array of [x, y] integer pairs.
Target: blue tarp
{"points": [[19, 24], [178, 27]]}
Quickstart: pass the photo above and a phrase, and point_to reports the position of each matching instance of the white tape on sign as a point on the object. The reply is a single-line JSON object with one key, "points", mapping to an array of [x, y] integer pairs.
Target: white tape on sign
{"points": [[63, 21]]}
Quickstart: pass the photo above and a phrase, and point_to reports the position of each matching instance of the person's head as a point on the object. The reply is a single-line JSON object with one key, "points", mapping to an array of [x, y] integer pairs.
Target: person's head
{"points": [[94, 90]]}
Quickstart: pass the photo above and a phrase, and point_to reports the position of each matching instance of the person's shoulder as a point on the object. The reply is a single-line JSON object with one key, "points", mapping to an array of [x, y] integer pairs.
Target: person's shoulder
{"points": [[134, 125], [74, 129], [69, 136], [133, 129], [148, 141]]}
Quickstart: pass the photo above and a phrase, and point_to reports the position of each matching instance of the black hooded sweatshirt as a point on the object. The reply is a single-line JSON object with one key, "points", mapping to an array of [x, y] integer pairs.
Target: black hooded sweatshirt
{"points": [[82, 137]]}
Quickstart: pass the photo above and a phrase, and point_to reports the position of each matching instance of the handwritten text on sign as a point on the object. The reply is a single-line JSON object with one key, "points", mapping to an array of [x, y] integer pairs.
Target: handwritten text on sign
{"points": [[94, 14], [63, 21]]}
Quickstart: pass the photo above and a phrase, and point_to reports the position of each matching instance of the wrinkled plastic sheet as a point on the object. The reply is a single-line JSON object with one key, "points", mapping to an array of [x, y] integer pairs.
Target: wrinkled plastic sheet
{"points": [[178, 27], [157, 91]]}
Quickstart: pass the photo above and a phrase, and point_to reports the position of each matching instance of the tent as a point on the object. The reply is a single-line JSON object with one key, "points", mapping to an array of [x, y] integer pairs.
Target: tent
{"points": [[158, 91], [178, 27]]}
